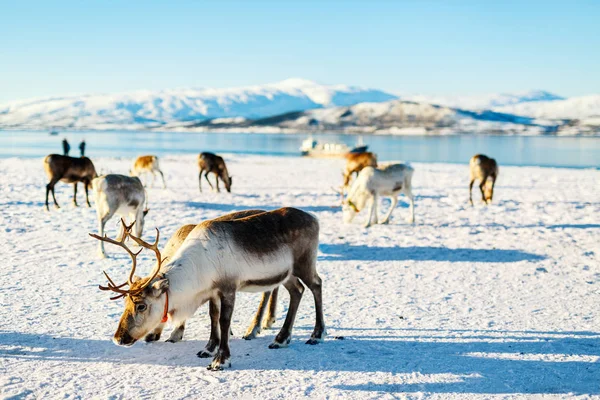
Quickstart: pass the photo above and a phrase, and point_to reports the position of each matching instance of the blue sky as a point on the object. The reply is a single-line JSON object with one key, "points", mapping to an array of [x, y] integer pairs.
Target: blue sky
{"points": [[430, 47]]}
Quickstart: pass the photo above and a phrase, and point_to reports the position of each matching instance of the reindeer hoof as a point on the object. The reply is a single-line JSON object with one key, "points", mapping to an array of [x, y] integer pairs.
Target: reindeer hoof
{"points": [[251, 334], [152, 337], [206, 354], [277, 345], [219, 364], [313, 341]]}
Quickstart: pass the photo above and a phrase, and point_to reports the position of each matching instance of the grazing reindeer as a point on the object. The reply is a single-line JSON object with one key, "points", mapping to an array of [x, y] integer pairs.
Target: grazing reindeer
{"points": [[147, 164], [485, 170], [390, 180], [218, 258], [209, 162], [268, 297], [355, 162], [69, 170], [121, 195]]}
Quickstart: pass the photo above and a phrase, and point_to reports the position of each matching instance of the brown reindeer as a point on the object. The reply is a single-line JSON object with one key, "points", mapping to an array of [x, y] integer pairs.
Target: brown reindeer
{"points": [[147, 164], [209, 162], [485, 170], [355, 162], [69, 170]]}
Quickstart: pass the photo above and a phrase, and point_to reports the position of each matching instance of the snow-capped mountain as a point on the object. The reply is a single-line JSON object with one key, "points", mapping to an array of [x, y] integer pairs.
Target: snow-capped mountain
{"points": [[395, 116], [583, 108], [153, 108], [486, 101]]}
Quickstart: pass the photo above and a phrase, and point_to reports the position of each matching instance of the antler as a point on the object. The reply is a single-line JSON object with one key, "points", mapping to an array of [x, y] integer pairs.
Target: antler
{"points": [[154, 248], [121, 243]]}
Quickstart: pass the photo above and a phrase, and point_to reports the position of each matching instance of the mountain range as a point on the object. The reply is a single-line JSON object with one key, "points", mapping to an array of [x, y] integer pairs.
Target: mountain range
{"points": [[301, 105]]}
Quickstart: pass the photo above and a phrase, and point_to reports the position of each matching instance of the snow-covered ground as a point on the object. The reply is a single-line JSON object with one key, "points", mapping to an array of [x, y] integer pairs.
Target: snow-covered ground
{"points": [[480, 302]]}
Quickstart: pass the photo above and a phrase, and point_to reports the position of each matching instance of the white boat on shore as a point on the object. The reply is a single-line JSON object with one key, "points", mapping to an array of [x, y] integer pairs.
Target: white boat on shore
{"points": [[312, 148]]}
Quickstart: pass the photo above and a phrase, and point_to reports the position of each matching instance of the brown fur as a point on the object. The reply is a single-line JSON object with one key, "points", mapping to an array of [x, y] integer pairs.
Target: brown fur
{"points": [[144, 162], [355, 162], [485, 170], [69, 170], [209, 162]]}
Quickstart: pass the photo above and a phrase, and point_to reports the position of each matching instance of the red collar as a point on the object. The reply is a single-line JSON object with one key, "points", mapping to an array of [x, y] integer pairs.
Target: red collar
{"points": [[165, 317]]}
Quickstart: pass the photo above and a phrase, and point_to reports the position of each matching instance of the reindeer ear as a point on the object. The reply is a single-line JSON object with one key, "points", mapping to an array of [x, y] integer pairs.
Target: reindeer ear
{"points": [[160, 286], [146, 211], [135, 278]]}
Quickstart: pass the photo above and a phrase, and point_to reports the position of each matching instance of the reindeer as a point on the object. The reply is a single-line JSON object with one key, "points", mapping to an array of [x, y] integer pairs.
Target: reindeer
{"points": [[147, 164], [218, 258], [390, 180], [121, 195], [355, 162], [69, 170], [268, 297], [209, 162], [485, 170]]}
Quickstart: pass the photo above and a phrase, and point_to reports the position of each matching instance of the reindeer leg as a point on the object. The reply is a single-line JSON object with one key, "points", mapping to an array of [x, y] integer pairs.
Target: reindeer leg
{"points": [[200, 181], [254, 328], [314, 283], [177, 334], [75, 194], [54, 198], [411, 198], [284, 337], [155, 334], [207, 180], [50, 188], [217, 179], [272, 314], [102, 220], [214, 310], [481, 186], [492, 191], [153, 178], [471, 191], [222, 358], [86, 185], [372, 214], [386, 219], [162, 176]]}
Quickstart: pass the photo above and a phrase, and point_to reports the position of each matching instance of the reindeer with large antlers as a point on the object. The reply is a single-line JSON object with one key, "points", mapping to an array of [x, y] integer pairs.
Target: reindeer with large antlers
{"points": [[218, 258]]}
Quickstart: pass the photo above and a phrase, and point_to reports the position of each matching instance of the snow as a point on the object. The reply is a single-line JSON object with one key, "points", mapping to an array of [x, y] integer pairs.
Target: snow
{"points": [[582, 107], [472, 302], [153, 108], [485, 101]]}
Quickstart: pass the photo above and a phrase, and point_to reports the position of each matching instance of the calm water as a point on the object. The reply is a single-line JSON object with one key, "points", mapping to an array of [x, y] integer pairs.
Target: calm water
{"points": [[508, 150]]}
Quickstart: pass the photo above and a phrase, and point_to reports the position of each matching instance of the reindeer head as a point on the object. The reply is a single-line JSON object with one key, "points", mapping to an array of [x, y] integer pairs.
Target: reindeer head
{"points": [[227, 180], [349, 211], [146, 300]]}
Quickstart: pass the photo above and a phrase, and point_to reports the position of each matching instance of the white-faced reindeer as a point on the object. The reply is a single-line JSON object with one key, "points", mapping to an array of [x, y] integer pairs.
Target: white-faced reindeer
{"points": [[371, 183], [209, 162], [170, 249], [355, 162], [485, 170], [147, 165], [218, 258], [121, 195], [69, 170]]}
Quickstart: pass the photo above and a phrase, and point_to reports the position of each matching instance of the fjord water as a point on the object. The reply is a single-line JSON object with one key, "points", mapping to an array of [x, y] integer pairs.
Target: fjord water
{"points": [[578, 152]]}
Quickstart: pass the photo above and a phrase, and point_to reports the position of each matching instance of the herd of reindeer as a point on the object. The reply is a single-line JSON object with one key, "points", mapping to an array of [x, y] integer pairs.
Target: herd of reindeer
{"points": [[249, 251]]}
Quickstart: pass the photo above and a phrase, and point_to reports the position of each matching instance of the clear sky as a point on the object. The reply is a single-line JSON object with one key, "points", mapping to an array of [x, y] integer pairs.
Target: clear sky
{"points": [[429, 47]]}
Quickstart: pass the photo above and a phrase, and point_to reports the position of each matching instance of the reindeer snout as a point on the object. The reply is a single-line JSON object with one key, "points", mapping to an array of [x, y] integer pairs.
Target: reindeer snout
{"points": [[123, 339]]}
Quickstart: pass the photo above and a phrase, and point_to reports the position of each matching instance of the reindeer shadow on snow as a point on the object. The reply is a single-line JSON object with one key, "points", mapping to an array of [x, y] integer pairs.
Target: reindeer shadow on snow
{"points": [[485, 363], [346, 252]]}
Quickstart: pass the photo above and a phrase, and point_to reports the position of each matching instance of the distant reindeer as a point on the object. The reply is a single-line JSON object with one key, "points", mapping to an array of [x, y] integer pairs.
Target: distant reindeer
{"points": [[217, 259], [121, 195], [269, 297], [485, 170], [371, 183], [209, 162], [69, 170], [355, 162], [147, 164]]}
